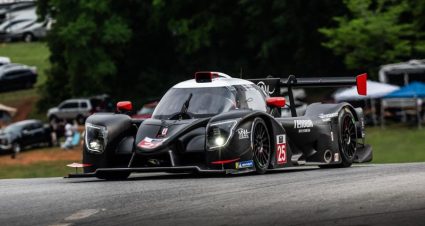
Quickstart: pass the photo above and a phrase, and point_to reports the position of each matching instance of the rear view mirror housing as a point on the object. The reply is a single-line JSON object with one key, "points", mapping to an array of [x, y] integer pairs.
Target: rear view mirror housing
{"points": [[278, 102], [124, 107]]}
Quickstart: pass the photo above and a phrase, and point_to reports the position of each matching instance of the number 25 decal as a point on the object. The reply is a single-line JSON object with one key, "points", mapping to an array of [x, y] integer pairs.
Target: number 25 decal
{"points": [[281, 149]]}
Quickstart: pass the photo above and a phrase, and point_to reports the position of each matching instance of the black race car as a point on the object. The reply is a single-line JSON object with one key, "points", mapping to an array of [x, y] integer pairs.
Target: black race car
{"points": [[219, 124], [28, 133]]}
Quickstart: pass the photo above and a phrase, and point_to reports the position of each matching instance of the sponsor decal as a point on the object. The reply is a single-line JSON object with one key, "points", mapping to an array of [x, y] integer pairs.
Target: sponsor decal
{"points": [[243, 133], [78, 165], [281, 149], [150, 143], [164, 131], [265, 87], [327, 117], [302, 124], [331, 115], [245, 164], [336, 157], [304, 131]]}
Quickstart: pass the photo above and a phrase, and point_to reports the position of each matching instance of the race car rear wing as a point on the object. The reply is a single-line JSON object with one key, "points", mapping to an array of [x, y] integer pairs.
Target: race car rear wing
{"points": [[272, 85]]}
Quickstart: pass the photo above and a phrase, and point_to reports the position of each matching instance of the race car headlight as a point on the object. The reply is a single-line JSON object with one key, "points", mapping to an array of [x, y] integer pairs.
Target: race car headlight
{"points": [[219, 133], [96, 138]]}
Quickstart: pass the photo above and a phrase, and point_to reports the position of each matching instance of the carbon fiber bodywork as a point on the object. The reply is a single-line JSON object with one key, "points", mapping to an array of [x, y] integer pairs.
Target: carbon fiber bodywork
{"points": [[186, 145]]}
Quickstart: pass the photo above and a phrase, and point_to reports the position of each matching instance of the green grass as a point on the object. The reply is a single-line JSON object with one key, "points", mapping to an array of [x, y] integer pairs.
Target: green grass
{"points": [[16, 96], [40, 169], [32, 54], [396, 144]]}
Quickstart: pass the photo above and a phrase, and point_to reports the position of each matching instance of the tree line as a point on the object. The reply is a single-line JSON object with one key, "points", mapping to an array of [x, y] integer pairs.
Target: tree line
{"points": [[137, 49]]}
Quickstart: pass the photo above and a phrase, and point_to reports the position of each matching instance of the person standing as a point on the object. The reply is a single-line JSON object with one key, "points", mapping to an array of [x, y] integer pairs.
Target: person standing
{"points": [[68, 136]]}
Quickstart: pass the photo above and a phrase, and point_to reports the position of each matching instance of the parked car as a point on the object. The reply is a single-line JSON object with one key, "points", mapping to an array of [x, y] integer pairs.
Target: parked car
{"points": [[25, 29], [146, 111], [21, 22], [17, 76], [16, 9], [79, 109], [20, 135]]}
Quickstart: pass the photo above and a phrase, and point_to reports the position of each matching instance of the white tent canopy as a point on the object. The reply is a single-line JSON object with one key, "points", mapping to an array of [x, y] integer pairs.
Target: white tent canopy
{"points": [[374, 90]]}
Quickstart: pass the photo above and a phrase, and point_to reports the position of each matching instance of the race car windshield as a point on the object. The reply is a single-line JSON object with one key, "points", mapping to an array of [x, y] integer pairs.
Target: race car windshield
{"points": [[205, 102]]}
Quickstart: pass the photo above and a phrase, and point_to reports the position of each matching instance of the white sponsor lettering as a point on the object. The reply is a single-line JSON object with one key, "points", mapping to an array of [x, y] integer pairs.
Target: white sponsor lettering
{"points": [[281, 149], [281, 139], [265, 87], [331, 115], [304, 131], [336, 157], [301, 124], [164, 131], [243, 133]]}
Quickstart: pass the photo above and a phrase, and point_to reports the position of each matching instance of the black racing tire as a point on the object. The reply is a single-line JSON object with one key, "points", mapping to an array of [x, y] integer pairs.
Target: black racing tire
{"points": [[113, 175], [347, 137], [261, 145]]}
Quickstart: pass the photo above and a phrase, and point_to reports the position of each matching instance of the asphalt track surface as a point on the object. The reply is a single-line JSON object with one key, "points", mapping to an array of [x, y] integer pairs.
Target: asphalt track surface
{"points": [[392, 194]]}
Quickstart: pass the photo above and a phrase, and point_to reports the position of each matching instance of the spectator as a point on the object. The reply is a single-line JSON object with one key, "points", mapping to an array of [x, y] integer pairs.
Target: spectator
{"points": [[54, 128], [68, 136], [76, 134]]}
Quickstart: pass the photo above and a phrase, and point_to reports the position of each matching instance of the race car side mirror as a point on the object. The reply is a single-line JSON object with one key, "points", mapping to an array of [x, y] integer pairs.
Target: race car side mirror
{"points": [[278, 102], [124, 106]]}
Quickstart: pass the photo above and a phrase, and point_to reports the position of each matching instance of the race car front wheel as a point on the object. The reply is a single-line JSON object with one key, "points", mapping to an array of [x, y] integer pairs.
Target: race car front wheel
{"points": [[260, 141], [347, 137]]}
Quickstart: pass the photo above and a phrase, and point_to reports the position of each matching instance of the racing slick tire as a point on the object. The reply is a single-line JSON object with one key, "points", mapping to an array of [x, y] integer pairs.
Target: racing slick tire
{"points": [[347, 137], [261, 147]]}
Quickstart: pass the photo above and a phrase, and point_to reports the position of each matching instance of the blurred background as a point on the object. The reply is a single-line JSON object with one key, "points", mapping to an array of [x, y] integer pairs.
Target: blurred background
{"points": [[61, 61]]}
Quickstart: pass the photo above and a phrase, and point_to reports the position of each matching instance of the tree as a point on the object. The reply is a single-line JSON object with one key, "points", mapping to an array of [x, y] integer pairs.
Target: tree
{"points": [[377, 32], [137, 49]]}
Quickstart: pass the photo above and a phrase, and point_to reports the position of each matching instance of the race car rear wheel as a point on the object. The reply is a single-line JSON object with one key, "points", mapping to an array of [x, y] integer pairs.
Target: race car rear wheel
{"points": [[347, 137], [260, 141]]}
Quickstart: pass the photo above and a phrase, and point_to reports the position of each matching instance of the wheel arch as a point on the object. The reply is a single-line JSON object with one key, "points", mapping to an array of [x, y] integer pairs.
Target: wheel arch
{"points": [[274, 128], [316, 109]]}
